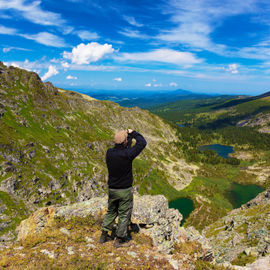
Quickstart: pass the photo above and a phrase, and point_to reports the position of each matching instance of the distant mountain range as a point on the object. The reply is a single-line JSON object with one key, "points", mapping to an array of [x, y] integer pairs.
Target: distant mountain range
{"points": [[145, 99]]}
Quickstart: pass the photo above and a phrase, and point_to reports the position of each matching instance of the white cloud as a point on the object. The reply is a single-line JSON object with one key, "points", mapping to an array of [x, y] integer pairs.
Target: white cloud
{"points": [[8, 49], [47, 39], [5, 50], [4, 16], [33, 12], [173, 84], [232, 68], [51, 72], [157, 85], [86, 35], [161, 55], [195, 21], [133, 34], [69, 77], [65, 64], [132, 21], [88, 53], [15, 65], [67, 29], [148, 85], [7, 30], [30, 66], [118, 79]]}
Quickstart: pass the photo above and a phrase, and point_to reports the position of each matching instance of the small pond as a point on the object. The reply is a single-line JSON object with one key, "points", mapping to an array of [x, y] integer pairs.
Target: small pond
{"points": [[184, 206], [221, 150], [240, 194], [180, 125], [237, 195]]}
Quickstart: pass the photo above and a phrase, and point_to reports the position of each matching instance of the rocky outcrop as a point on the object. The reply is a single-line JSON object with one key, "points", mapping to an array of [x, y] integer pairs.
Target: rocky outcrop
{"points": [[244, 233], [261, 120], [68, 237], [150, 212]]}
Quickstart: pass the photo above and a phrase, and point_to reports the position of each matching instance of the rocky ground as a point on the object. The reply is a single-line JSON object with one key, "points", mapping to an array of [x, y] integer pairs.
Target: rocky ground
{"points": [[67, 237], [260, 120], [242, 236]]}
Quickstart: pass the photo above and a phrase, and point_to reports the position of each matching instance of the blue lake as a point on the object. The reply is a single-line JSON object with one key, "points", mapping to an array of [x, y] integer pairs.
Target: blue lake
{"points": [[221, 150], [180, 125]]}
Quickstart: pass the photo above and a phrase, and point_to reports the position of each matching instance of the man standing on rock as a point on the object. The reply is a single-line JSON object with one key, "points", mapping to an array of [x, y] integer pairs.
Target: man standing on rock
{"points": [[120, 202]]}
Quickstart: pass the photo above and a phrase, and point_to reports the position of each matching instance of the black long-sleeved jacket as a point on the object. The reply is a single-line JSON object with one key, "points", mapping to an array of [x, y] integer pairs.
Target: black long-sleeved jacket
{"points": [[119, 161]]}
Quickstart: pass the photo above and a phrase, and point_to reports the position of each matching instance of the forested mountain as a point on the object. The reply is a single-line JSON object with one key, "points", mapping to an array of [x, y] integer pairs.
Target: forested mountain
{"points": [[219, 112]]}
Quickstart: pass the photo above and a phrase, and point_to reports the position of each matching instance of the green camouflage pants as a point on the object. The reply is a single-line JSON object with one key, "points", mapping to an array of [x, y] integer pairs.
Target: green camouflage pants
{"points": [[120, 203]]}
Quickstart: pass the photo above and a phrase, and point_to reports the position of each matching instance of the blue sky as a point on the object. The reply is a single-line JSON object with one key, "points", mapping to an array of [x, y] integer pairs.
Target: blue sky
{"points": [[202, 45]]}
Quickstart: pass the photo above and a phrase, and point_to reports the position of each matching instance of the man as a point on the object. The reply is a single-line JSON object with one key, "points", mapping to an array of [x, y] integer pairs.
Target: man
{"points": [[120, 202]]}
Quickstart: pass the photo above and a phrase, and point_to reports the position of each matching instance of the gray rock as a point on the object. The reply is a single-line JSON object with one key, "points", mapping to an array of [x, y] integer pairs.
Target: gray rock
{"points": [[65, 231], [70, 250], [9, 185], [50, 254], [132, 254]]}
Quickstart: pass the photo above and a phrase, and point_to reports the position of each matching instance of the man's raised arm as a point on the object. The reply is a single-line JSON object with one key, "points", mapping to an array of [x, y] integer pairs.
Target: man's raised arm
{"points": [[138, 147]]}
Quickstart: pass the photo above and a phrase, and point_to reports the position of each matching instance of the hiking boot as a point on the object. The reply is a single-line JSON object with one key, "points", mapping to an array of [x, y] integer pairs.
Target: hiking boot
{"points": [[134, 228], [121, 242], [104, 237], [113, 234]]}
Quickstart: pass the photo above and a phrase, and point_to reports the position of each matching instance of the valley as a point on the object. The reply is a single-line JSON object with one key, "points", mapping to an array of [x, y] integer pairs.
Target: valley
{"points": [[226, 152]]}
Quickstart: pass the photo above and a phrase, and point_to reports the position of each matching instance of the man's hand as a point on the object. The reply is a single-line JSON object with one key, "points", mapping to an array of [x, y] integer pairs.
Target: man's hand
{"points": [[129, 131]]}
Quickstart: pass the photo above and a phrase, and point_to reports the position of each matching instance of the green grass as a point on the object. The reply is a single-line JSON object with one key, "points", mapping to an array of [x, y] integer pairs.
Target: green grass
{"points": [[15, 209], [243, 259]]}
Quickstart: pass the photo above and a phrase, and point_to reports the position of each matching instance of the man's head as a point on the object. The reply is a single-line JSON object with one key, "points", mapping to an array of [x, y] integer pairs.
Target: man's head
{"points": [[121, 137]]}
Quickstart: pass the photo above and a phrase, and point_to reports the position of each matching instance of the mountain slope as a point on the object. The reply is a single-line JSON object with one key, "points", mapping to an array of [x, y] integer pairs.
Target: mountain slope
{"points": [[53, 144], [219, 112]]}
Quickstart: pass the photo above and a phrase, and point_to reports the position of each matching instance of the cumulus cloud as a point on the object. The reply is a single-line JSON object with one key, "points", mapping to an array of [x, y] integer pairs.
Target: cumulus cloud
{"points": [[51, 72], [173, 84], [87, 35], [157, 85], [69, 77], [162, 55], [88, 53], [118, 79], [47, 39], [65, 64], [148, 85], [132, 21]]}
